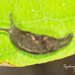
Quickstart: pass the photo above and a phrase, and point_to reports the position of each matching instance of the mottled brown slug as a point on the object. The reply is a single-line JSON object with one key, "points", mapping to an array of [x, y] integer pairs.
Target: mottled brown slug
{"points": [[35, 43]]}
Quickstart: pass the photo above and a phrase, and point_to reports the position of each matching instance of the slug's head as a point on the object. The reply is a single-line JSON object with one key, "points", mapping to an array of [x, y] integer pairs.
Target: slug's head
{"points": [[12, 25]]}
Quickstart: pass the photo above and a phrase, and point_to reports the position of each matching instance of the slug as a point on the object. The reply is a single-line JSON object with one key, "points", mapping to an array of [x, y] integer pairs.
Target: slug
{"points": [[35, 43]]}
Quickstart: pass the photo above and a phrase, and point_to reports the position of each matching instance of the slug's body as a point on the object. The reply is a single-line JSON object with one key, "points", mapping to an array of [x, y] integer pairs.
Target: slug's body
{"points": [[34, 43]]}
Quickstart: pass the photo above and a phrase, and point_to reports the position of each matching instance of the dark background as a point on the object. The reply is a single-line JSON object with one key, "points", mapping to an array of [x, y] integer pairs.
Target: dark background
{"points": [[50, 68]]}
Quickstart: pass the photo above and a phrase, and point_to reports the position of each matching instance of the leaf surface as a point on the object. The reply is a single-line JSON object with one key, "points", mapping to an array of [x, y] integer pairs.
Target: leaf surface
{"points": [[55, 18]]}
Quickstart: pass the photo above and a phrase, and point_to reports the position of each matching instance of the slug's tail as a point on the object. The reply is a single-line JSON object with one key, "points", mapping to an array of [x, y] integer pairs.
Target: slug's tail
{"points": [[66, 40]]}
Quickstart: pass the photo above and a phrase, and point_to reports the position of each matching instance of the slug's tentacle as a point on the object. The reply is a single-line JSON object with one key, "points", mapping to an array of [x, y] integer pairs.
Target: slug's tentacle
{"points": [[4, 29], [66, 40], [12, 23]]}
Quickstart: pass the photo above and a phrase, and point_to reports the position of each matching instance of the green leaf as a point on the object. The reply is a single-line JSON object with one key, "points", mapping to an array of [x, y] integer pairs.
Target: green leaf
{"points": [[55, 18]]}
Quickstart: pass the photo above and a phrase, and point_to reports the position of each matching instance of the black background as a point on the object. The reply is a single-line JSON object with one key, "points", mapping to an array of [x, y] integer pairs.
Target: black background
{"points": [[50, 68]]}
